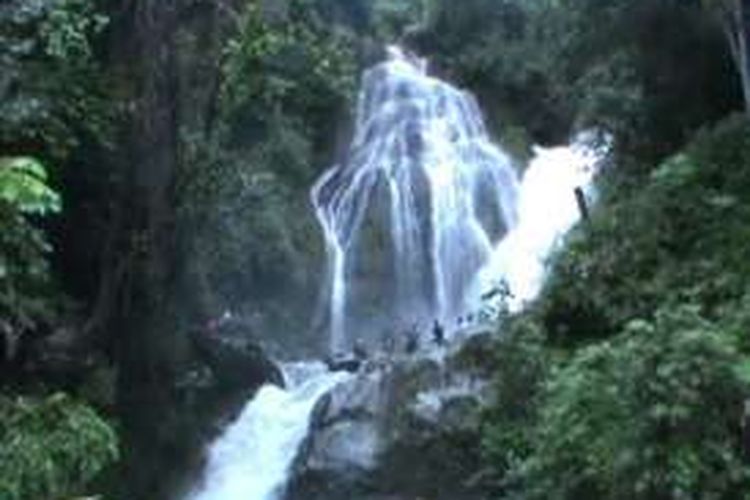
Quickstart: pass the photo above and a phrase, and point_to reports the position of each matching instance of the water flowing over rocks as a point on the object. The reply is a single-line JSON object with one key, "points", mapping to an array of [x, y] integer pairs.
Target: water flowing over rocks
{"points": [[251, 459], [230, 368]]}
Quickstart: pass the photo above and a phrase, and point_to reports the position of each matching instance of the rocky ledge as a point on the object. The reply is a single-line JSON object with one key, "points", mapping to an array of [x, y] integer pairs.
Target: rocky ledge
{"points": [[403, 427]]}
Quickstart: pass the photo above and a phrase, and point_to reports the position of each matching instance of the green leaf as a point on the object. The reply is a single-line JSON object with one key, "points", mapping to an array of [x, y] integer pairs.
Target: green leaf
{"points": [[23, 185]]}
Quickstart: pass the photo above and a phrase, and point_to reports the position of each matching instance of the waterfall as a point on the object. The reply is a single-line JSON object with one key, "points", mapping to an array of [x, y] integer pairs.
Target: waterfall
{"points": [[251, 460], [416, 208], [424, 214]]}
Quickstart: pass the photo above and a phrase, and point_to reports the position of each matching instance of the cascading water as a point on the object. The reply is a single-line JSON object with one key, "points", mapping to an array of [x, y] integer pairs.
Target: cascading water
{"points": [[416, 208], [251, 460], [547, 209]]}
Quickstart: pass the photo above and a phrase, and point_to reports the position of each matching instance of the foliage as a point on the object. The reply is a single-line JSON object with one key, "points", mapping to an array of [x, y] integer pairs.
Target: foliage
{"points": [[51, 447], [652, 413], [23, 186], [619, 66], [24, 278], [394, 19], [50, 90], [523, 363], [291, 66], [500, 51], [632, 78], [240, 212]]}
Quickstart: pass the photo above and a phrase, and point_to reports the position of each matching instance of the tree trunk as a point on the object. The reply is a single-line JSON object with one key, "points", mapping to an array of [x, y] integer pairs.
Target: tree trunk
{"points": [[164, 54], [735, 16], [743, 56], [146, 47], [583, 208]]}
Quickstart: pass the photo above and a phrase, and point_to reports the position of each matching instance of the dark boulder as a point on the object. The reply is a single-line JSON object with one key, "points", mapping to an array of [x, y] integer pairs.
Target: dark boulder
{"points": [[235, 358], [229, 366], [343, 364]]}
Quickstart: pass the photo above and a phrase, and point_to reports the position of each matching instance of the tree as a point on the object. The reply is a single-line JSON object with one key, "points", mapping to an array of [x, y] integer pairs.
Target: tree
{"points": [[616, 66]]}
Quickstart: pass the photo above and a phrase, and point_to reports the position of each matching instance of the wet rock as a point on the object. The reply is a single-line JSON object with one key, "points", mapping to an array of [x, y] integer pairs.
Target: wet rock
{"points": [[235, 358], [230, 366], [403, 428], [343, 364]]}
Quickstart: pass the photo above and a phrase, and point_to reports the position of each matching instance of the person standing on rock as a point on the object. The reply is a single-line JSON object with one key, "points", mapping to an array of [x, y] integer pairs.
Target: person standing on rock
{"points": [[438, 334]]}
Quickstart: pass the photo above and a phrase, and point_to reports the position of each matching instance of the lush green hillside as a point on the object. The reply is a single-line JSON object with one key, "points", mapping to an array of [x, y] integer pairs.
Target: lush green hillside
{"points": [[629, 377]]}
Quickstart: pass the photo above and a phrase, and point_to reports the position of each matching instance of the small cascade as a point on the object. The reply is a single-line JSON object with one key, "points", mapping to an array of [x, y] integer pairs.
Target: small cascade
{"points": [[251, 460], [417, 206], [547, 209]]}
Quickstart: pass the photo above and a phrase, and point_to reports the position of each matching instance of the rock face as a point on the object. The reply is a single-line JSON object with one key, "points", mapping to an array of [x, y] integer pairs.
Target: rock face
{"points": [[403, 428]]}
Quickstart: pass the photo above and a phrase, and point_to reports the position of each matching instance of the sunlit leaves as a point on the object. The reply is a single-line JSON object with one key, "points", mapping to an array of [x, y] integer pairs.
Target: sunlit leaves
{"points": [[24, 278], [23, 186]]}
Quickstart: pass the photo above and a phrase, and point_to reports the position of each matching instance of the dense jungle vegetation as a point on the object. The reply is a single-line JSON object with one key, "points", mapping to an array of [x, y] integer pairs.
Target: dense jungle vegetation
{"points": [[155, 161]]}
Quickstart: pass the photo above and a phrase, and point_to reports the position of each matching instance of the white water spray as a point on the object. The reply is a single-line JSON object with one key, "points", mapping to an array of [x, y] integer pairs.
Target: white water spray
{"points": [[547, 210], [251, 460], [422, 192]]}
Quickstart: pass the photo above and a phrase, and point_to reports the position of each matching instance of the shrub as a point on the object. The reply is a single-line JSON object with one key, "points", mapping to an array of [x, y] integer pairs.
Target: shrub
{"points": [[523, 363], [52, 447], [638, 348], [652, 413]]}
